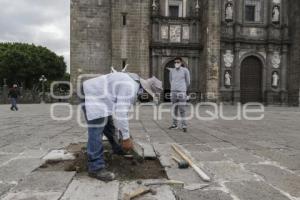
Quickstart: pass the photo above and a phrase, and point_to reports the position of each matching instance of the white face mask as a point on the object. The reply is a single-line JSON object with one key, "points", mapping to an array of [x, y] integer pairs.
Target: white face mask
{"points": [[177, 65]]}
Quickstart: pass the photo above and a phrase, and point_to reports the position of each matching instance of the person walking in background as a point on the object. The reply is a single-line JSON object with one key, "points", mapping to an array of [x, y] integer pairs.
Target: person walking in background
{"points": [[179, 81], [13, 94]]}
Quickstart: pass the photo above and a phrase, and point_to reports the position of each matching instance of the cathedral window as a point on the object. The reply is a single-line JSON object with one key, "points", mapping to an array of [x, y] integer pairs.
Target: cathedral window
{"points": [[253, 10], [176, 8]]}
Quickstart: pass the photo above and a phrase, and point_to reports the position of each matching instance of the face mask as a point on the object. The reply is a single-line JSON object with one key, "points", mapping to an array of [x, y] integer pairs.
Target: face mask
{"points": [[177, 65]]}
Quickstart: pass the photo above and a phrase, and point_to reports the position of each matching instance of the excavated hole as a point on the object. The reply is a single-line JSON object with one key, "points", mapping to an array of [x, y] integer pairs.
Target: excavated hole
{"points": [[124, 168]]}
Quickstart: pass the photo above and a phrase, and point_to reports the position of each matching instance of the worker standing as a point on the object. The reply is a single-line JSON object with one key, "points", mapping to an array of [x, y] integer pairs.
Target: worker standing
{"points": [[179, 81]]}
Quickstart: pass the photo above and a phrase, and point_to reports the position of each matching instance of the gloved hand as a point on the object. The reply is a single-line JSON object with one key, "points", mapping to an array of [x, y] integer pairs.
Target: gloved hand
{"points": [[127, 145]]}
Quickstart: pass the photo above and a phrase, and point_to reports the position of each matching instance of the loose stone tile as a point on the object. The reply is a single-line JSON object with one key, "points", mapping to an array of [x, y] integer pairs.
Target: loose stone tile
{"points": [[57, 155], [241, 156], [249, 190], [227, 171], [5, 158], [144, 149], [202, 195], [278, 177], [208, 156], [33, 195], [91, 189], [164, 153], [18, 169], [162, 191]]}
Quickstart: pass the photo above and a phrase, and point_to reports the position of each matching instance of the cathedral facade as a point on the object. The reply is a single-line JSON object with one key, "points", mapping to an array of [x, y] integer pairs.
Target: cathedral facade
{"points": [[236, 50]]}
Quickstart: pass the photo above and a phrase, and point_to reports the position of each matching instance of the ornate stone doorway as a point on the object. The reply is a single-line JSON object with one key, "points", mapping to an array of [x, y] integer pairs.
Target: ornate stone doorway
{"points": [[251, 80]]}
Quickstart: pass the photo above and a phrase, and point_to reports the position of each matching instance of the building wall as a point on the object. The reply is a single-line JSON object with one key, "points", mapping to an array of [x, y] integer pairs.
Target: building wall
{"points": [[264, 40], [90, 37], [294, 70], [130, 42]]}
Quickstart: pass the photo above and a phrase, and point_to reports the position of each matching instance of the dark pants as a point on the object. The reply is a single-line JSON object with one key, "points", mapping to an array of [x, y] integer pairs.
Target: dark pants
{"points": [[14, 104]]}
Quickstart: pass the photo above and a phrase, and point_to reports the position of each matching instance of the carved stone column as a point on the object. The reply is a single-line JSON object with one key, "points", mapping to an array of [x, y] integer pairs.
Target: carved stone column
{"points": [[283, 77], [237, 74]]}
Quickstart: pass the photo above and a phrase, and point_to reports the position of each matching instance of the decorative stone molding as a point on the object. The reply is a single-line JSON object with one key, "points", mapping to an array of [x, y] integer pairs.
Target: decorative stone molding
{"points": [[276, 60], [228, 58]]}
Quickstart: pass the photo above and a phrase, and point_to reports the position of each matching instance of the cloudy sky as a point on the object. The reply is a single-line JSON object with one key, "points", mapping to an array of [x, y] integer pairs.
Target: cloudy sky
{"points": [[42, 22]]}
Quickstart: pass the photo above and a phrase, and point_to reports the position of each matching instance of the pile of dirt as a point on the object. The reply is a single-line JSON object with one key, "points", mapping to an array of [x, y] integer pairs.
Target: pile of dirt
{"points": [[125, 168]]}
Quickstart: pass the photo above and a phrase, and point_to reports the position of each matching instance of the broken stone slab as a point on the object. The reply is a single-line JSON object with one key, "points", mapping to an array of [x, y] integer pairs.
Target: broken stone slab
{"points": [[197, 147], [279, 178], [44, 181], [164, 192], [59, 155], [248, 190], [195, 186], [32, 195], [91, 189], [17, 169], [227, 171]]}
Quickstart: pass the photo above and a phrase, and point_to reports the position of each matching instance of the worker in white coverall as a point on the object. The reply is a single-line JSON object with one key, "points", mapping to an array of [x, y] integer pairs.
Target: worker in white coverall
{"points": [[107, 97]]}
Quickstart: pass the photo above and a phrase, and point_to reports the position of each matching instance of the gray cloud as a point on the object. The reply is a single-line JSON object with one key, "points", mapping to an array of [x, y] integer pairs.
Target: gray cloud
{"points": [[42, 22]]}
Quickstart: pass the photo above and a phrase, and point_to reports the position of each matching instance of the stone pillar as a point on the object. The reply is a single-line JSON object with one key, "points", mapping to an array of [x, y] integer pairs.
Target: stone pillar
{"points": [[267, 76], [283, 77], [213, 50], [237, 74]]}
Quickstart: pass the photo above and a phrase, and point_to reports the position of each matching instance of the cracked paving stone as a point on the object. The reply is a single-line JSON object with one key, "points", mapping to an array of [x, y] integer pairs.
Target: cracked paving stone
{"points": [[5, 187], [279, 178], [250, 190], [208, 156], [33, 195]]}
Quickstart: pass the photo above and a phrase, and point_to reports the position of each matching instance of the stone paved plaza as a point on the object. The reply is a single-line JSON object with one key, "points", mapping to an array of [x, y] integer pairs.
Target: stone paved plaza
{"points": [[246, 160]]}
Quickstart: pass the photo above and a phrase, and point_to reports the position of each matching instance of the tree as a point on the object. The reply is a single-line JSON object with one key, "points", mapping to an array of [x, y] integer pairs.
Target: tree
{"points": [[25, 63]]}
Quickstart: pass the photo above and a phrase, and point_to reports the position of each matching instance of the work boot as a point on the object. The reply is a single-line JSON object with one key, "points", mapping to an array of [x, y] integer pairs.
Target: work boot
{"points": [[102, 175], [174, 126]]}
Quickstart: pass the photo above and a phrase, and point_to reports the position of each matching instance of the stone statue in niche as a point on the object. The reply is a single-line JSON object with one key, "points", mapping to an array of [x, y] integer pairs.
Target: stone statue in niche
{"points": [[227, 79], [229, 12], [275, 79], [228, 58], [276, 60], [276, 14]]}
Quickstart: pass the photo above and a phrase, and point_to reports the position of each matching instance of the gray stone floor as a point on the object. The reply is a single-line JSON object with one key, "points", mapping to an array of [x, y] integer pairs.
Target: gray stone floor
{"points": [[257, 160]]}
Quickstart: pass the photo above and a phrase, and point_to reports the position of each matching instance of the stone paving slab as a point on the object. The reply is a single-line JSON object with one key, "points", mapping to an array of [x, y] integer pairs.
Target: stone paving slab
{"points": [[279, 178], [84, 188], [227, 171], [208, 156], [5, 187], [33, 195], [18, 169], [250, 190], [44, 181], [197, 147], [241, 156], [291, 162], [203, 195]]}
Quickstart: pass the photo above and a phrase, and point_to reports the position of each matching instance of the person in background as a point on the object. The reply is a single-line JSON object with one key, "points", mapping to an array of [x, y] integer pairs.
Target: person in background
{"points": [[179, 81], [13, 94]]}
